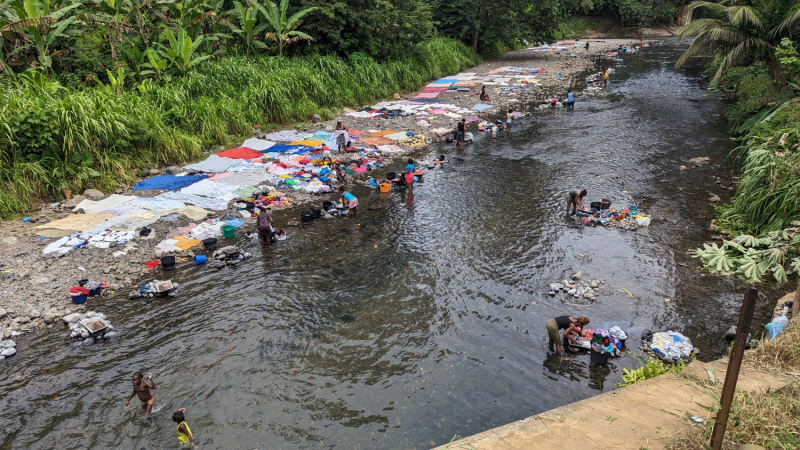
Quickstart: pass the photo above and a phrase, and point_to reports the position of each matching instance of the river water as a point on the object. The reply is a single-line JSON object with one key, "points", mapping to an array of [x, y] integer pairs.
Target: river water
{"points": [[424, 317]]}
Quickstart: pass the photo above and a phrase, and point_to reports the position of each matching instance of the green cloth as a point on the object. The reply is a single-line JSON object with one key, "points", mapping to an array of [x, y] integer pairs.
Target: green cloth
{"points": [[552, 330], [246, 191]]}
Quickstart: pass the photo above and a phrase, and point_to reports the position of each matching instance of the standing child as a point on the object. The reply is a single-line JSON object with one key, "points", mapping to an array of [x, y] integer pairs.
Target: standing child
{"points": [[184, 433], [409, 174], [509, 120], [142, 389], [341, 139]]}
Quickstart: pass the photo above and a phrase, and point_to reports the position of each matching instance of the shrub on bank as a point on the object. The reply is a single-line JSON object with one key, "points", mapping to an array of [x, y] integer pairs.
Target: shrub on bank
{"points": [[55, 141]]}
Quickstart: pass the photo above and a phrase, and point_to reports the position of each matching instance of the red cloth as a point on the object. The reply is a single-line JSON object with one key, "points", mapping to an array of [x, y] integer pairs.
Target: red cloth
{"points": [[79, 290], [240, 153], [151, 264]]}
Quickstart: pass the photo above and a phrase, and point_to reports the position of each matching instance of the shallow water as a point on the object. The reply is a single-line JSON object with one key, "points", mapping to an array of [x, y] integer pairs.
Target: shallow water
{"points": [[444, 291]]}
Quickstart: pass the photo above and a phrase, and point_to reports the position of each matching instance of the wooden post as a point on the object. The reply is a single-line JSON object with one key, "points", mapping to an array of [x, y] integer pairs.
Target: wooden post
{"points": [[734, 364], [796, 303]]}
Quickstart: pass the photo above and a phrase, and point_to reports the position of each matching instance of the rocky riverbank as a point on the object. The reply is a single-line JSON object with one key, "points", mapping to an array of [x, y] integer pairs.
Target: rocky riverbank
{"points": [[35, 291]]}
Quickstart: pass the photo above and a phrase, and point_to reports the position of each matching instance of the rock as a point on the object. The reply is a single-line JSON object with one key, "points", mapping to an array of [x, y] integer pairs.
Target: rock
{"points": [[556, 286], [11, 351], [23, 319], [551, 294], [7, 344], [347, 318], [73, 202], [113, 286], [577, 276], [172, 170], [134, 294], [594, 284], [93, 194], [154, 172], [34, 314], [683, 167], [71, 318], [700, 160], [572, 292], [118, 191], [8, 241], [50, 317], [715, 199], [750, 447], [3, 313], [327, 217]]}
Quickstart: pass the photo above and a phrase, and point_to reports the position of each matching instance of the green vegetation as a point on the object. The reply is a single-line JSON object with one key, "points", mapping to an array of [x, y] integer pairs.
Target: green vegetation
{"points": [[750, 258], [626, 12], [649, 369]]}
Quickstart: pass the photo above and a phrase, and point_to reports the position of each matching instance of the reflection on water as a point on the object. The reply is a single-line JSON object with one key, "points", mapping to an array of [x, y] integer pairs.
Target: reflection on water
{"points": [[423, 316]]}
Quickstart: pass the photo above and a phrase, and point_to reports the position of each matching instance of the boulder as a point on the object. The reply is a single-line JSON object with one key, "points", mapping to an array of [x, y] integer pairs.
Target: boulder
{"points": [[11, 351], [74, 201], [93, 194], [594, 284], [50, 317], [577, 276], [154, 172], [700, 160], [172, 170], [7, 344], [34, 314], [71, 318], [3, 313]]}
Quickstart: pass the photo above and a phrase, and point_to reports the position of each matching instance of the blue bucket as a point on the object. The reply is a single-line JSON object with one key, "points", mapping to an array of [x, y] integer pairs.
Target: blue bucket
{"points": [[200, 259], [95, 292], [79, 299]]}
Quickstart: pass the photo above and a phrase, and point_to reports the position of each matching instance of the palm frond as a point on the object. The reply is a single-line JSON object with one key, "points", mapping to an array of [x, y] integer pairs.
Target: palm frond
{"points": [[698, 26], [744, 17], [786, 26], [25, 23]]}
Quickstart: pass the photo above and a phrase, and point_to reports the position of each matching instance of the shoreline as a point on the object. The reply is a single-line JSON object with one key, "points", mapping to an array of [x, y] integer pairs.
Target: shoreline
{"points": [[38, 293]]}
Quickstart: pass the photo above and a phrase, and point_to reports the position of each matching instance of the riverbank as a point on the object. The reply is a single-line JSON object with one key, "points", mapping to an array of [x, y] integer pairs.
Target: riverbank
{"points": [[37, 289]]}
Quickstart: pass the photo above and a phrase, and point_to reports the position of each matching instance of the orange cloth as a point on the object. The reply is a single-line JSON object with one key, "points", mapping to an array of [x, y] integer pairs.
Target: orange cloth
{"points": [[185, 243], [381, 133]]}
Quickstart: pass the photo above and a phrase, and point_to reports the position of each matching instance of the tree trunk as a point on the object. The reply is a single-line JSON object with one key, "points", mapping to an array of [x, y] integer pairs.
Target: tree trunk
{"points": [[477, 32]]}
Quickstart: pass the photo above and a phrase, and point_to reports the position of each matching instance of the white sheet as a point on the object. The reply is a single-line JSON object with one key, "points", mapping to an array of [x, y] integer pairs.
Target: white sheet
{"points": [[258, 145], [91, 206], [212, 164]]}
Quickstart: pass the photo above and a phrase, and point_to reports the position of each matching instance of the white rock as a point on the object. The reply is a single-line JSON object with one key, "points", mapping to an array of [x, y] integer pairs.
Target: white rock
{"points": [[577, 276], [10, 351], [71, 318], [556, 286]]}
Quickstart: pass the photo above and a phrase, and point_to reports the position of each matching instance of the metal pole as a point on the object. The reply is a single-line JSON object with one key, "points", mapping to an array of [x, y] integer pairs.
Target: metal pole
{"points": [[735, 362]]}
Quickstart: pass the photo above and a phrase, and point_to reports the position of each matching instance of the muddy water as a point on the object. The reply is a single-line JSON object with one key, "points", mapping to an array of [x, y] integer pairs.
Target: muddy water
{"points": [[424, 317]]}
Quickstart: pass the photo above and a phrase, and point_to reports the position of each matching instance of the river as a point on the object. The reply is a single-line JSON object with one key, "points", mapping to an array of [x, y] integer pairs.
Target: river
{"points": [[424, 317]]}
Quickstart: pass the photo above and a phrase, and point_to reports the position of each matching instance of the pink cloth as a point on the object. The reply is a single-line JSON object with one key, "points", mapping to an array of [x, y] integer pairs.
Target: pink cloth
{"points": [[353, 203], [437, 111], [360, 169], [220, 176], [427, 95]]}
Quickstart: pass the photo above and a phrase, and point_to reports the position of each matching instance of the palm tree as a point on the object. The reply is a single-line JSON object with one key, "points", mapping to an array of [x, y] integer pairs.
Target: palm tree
{"points": [[737, 32], [284, 29]]}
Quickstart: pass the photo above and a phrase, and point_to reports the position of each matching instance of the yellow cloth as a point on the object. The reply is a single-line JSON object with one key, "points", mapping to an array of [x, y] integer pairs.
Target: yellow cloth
{"points": [[380, 133], [416, 141], [77, 222], [185, 243], [184, 439], [308, 143]]}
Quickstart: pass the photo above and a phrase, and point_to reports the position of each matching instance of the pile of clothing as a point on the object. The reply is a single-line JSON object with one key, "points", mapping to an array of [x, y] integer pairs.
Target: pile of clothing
{"points": [[604, 341], [668, 345]]}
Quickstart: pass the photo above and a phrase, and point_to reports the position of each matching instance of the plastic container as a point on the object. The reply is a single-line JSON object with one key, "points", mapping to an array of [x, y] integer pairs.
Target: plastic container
{"points": [[643, 221], [200, 259], [83, 282], [599, 357], [386, 187], [228, 231], [96, 291], [306, 216], [210, 244], [316, 211], [79, 299]]}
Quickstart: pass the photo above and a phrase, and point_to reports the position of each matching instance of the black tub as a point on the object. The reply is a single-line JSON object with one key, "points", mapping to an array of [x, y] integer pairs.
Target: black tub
{"points": [[168, 263], [306, 216], [210, 244], [316, 212]]}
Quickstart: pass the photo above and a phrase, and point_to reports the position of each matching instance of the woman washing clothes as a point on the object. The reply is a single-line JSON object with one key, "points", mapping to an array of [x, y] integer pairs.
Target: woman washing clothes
{"points": [[568, 324], [575, 199], [351, 200], [264, 228]]}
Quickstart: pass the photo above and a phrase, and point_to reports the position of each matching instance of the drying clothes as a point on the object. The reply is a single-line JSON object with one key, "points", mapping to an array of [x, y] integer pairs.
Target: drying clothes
{"points": [[376, 141], [216, 204], [181, 231], [240, 153], [258, 145], [245, 178], [390, 149], [672, 345], [212, 164], [308, 143], [151, 264], [62, 245], [380, 133], [396, 136], [445, 81], [185, 243], [416, 141], [427, 95], [286, 136], [208, 188], [193, 212], [104, 240], [112, 221], [482, 107], [77, 222], [247, 166], [140, 220], [235, 223], [291, 149], [112, 201], [246, 191], [321, 135], [167, 182], [355, 133]]}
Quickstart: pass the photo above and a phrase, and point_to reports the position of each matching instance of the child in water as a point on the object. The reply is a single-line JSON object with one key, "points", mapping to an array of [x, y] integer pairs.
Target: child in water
{"points": [[184, 433], [142, 389]]}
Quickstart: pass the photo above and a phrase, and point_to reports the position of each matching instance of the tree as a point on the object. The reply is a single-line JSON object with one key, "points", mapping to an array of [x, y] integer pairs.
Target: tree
{"points": [[39, 26], [182, 51], [736, 32], [284, 30], [248, 27]]}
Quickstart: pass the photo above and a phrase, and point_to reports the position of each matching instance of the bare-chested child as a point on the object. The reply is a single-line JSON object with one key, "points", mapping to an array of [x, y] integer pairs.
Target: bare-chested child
{"points": [[142, 389]]}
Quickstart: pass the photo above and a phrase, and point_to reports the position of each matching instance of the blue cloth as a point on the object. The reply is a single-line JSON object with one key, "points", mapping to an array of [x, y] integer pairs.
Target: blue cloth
{"points": [[409, 168], [324, 171], [446, 81], [425, 100], [348, 196], [235, 223], [291, 149], [168, 182], [570, 97]]}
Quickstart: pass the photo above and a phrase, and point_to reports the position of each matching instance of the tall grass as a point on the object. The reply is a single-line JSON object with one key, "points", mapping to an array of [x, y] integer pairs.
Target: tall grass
{"points": [[96, 138]]}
